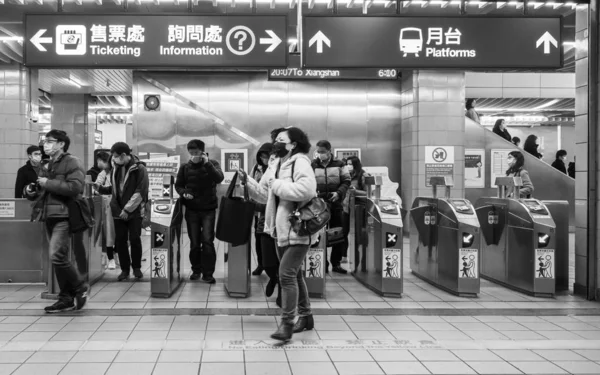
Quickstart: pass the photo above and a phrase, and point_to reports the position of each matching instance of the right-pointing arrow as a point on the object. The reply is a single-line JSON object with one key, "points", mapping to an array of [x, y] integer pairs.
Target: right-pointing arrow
{"points": [[37, 40], [546, 39], [320, 39]]}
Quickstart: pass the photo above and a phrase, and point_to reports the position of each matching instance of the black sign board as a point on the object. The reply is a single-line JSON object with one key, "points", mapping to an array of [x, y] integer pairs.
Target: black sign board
{"points": [[154, 41], [332, 74], [432, 42]]}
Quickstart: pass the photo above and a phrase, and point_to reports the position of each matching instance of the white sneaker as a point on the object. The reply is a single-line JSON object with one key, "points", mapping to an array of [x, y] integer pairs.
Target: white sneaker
{"points": [[111, 264]]}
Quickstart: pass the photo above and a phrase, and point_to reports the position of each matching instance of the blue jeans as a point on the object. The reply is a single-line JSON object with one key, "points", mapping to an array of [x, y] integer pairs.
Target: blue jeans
{"points": [[201, 230], [59, 241], [293, 287]]}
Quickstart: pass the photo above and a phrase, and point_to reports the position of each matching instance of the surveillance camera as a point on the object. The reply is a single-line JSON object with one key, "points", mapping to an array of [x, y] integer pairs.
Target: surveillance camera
{"points": [[35, 119]]}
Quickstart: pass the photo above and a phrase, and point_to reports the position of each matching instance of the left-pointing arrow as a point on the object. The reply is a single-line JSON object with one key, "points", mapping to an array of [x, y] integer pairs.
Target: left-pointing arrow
{"points": [[37, 40], [274, 41]]}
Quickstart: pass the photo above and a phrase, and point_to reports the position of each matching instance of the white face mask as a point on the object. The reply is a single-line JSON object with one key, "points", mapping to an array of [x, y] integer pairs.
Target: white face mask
{"points": [[350, 168], [49, 149], [36, 159]]}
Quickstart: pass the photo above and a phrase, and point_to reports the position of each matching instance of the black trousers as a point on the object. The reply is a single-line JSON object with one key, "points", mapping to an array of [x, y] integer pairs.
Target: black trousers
{"points": [[132, 230], [337, 220]]}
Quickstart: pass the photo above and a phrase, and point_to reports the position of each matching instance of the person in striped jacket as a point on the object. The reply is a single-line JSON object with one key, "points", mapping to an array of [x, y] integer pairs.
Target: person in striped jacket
{"points": [[333, 182]]}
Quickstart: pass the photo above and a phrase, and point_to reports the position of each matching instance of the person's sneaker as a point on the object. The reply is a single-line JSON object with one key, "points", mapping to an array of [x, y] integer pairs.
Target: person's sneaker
{"points": [[60, 306], [138, 273], [123, 276], [209, 279], [111, 264], [81, 297], [339, 269], [195, 276]]}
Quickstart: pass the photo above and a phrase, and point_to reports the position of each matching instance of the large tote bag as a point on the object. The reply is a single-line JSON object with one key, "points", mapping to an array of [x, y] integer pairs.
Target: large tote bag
{"points": [[234, 224]]}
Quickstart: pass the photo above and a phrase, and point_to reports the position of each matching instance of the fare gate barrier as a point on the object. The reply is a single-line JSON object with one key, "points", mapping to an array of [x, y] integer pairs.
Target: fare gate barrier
{"points": [[86, 248], [559, 210], [165, 255], [237, 269], [518, 241], [314, 266], [444, 241], [377, 257]]}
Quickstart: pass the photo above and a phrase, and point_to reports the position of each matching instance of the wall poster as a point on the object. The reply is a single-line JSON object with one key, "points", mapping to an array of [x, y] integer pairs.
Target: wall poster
{"points": [[231, 161], [439, 161], [498, 164], [475, 168], [344, 153]]}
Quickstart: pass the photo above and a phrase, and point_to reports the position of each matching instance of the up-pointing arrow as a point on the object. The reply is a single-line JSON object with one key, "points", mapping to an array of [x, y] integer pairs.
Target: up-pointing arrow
{"points": [[37, 40], [320, 39], [546, 39], [274, 41]]}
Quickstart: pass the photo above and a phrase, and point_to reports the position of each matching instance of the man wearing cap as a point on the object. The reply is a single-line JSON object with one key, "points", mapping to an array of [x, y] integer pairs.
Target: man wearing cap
{"points": [[197, 185], [29, 173]]}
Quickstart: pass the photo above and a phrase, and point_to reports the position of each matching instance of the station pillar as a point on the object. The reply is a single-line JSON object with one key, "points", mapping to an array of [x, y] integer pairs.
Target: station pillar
{"points": [[70, 113], [433, 114], [17, 132]]}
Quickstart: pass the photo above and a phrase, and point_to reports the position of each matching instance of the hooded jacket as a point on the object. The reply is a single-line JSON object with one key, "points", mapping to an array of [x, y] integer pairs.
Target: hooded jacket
{"points": [[293, 191], [128, 193], [257, 172], [200, 181]]}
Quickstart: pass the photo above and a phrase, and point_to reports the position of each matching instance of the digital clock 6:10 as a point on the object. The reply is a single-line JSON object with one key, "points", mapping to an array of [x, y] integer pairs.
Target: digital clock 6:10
{"points": [[387, 73]]}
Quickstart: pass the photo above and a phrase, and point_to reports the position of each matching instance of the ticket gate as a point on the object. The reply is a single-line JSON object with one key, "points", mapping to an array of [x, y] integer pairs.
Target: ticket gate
{"points": [[237, 269], [376, 255], [559, 210], [444, 241], [165, 225], [314, 266], [518, 241]]}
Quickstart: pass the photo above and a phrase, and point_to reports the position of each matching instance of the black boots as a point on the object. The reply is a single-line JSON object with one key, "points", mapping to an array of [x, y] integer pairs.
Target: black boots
{"points": [[258, 271], [304, 323], [284, 332]]}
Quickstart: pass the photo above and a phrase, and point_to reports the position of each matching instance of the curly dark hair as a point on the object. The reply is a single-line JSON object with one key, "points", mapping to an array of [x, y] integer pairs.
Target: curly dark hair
{"points": [[297, 136]]}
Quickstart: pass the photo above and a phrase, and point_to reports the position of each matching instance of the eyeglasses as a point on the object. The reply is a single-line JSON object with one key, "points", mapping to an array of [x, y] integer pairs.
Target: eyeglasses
{"points": [[47, 141]]}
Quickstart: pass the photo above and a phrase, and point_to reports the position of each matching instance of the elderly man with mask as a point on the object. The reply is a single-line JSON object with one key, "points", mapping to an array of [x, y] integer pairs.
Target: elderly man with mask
{"points": [[197, 185], [29, 173]]}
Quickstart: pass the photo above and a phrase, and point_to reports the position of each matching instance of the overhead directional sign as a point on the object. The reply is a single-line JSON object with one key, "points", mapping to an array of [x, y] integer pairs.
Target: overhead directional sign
{"points": [[432, 42], [154, 41]]}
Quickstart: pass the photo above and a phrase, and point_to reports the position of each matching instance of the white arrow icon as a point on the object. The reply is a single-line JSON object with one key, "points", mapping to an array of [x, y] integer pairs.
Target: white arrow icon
{"points": [[274, 41], [320, 39], [37, 40], [546, 39]]}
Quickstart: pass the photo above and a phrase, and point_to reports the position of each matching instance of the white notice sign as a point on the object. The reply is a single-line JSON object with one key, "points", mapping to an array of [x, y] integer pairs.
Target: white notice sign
{"points": [[544, 263], [392, 263], [160, 262], [467, 264], [314, 263], [7, 209]]}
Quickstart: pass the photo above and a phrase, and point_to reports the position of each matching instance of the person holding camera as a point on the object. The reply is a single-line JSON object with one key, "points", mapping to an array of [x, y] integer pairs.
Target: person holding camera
{"points": [[63, 182], [197, 185], [333, 181], [29, 173]]}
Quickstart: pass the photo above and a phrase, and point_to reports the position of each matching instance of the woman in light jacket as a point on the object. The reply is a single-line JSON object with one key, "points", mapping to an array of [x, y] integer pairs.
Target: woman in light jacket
{"points": [[516, 168], [104, 162], [283, 192]]}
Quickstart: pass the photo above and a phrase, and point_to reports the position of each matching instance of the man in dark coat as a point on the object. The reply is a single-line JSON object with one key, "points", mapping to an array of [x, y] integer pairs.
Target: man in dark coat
{"points": [[29, 173], [64, 181], [129, 194], [559, 163], [197, 185]]}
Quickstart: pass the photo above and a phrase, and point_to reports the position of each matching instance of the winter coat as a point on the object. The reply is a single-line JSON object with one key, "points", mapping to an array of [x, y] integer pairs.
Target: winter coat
{"points": [[291, 191], [334, 178], [128, 194], [94, 172], [473, 115], [527, 189], [503, 133], [560, 165], [200, 181], [257, 172], [26, 175], [65, 181]]}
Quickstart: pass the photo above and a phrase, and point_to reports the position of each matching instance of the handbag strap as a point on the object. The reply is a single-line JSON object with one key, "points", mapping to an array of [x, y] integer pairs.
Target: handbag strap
{"points": [[229, 193]]}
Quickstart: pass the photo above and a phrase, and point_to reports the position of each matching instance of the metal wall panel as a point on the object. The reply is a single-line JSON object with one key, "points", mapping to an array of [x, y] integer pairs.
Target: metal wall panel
{"points": [[238, 110]]}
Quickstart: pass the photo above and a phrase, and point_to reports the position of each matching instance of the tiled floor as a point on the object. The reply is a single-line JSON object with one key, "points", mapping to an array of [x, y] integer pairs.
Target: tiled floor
{"points": [[339, 345], [343, 292]]}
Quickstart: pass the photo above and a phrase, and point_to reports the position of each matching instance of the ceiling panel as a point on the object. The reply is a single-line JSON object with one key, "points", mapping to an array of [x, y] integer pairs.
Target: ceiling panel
{"points": [[86, 81]]}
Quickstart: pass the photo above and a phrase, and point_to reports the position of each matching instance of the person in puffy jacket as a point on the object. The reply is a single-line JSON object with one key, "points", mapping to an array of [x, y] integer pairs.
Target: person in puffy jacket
{"points": [[62, 182], [333, 182], [129, 191], [197, 185], [288, 183]]}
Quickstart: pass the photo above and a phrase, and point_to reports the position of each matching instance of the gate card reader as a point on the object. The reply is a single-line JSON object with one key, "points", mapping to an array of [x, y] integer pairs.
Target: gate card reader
{"points": [[377, 257], [444, 241], [165, 254], [518, 242]]}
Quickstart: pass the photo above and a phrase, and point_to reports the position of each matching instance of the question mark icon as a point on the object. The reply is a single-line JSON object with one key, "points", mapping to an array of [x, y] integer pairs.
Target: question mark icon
{"points": [[241, 36]]}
